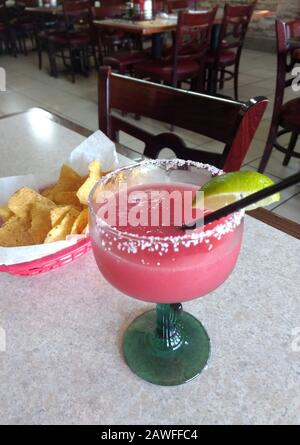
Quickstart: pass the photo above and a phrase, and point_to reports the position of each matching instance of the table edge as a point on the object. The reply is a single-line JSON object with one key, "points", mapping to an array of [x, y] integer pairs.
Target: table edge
{"points": [[285, 225], [278, 222], [131, 28]]}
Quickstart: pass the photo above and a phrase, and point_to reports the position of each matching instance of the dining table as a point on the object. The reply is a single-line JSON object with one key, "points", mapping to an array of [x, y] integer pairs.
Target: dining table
{"points": [[61, 359], [164, 23]]}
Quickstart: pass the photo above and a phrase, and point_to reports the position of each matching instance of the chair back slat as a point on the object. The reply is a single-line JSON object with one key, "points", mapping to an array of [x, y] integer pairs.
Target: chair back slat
{"points": [[77, 11], [235, 24], [193, 33], [233, 123], [283, 33]]}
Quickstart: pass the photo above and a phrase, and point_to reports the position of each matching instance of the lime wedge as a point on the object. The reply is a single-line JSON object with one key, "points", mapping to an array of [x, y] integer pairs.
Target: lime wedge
{"points": [[230, 187]]}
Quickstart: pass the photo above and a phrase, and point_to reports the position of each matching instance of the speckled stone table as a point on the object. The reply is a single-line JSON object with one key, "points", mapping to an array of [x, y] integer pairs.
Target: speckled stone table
{"points": [[63, 361]]}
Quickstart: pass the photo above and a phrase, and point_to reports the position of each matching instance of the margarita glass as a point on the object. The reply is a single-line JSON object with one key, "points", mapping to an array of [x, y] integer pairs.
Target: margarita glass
{"points": [[160, 263]]}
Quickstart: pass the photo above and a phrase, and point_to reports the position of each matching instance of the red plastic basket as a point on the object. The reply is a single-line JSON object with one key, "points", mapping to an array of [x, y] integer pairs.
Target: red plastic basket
{"points": [[49, 262]]}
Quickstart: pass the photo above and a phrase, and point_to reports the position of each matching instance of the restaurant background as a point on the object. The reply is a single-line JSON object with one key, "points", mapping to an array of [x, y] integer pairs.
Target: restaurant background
{"points": [[261, 33]]}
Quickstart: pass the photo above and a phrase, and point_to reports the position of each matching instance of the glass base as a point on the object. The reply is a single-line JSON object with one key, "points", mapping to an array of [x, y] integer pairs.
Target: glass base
{"points": [[167, 354]]}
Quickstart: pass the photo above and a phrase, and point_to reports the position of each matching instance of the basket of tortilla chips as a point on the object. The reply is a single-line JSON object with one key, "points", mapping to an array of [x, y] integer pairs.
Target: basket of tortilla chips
{"points": [[53, 215]]}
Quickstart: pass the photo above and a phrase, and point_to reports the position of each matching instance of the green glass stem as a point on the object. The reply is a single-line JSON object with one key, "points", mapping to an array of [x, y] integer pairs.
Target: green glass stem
{"points": [[166, 346], [169, 334]]}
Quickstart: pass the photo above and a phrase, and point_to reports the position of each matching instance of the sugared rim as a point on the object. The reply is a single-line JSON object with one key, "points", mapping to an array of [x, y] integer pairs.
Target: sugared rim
{"points": [[231, 222]]}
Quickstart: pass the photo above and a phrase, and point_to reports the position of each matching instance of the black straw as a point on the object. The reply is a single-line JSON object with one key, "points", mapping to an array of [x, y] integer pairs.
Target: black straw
{"points": [[245, 202]]}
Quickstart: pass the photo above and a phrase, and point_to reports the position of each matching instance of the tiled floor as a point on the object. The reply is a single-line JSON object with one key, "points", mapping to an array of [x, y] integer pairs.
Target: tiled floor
{"points": [[28, 87]]}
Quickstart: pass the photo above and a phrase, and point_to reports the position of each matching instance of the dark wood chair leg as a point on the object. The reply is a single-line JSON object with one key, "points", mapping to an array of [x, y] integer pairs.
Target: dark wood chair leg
{"points": [[6, 44], [268, 149], [12, 40], [83, 61], [291, 148], [95, 57], [236, 76], [214, 81], [25, 47], [39, 51], [63, 57], [209, 81], [20, 45], [72, 65], [52, 61], [222, 78], [198, 83]]}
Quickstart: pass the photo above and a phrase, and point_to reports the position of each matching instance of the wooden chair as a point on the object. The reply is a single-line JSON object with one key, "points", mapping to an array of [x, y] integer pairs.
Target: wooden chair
{"points": [[294, 28], [7, 34], [46, 29], [117, 49], [285, 116], [24, 25], [77, 39], [109, 40], [229, 47], [186, 59], [227, 121]]}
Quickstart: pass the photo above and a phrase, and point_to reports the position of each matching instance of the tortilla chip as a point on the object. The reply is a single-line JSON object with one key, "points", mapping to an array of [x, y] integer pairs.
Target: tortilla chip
{"points": [[67, 198], [15, 232], [5, 213], [95, 169], [57, 214], [69, 180], [94, 176], [20, 202], [40, 221], [60, 231], [48, 192], [80, 222]]}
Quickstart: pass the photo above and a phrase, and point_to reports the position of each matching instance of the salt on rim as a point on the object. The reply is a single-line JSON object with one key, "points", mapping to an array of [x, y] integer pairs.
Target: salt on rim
{"points": [[193, 237]]}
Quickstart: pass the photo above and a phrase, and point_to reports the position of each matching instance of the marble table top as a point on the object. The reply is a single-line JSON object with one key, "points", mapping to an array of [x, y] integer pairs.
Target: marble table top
{"points": [[61, 361]]}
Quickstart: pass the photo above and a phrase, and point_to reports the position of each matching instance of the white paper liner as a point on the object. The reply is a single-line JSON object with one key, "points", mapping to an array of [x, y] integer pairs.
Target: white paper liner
{"points": [[29, 253], [97, 146]]}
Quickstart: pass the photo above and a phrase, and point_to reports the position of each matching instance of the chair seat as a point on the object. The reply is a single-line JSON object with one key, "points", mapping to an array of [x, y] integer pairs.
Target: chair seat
{"points": [[296, 54], [46, 34], [123, 60], [227, 58], [75, 40], [163, 71], [24, 26], [290, 115]]}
